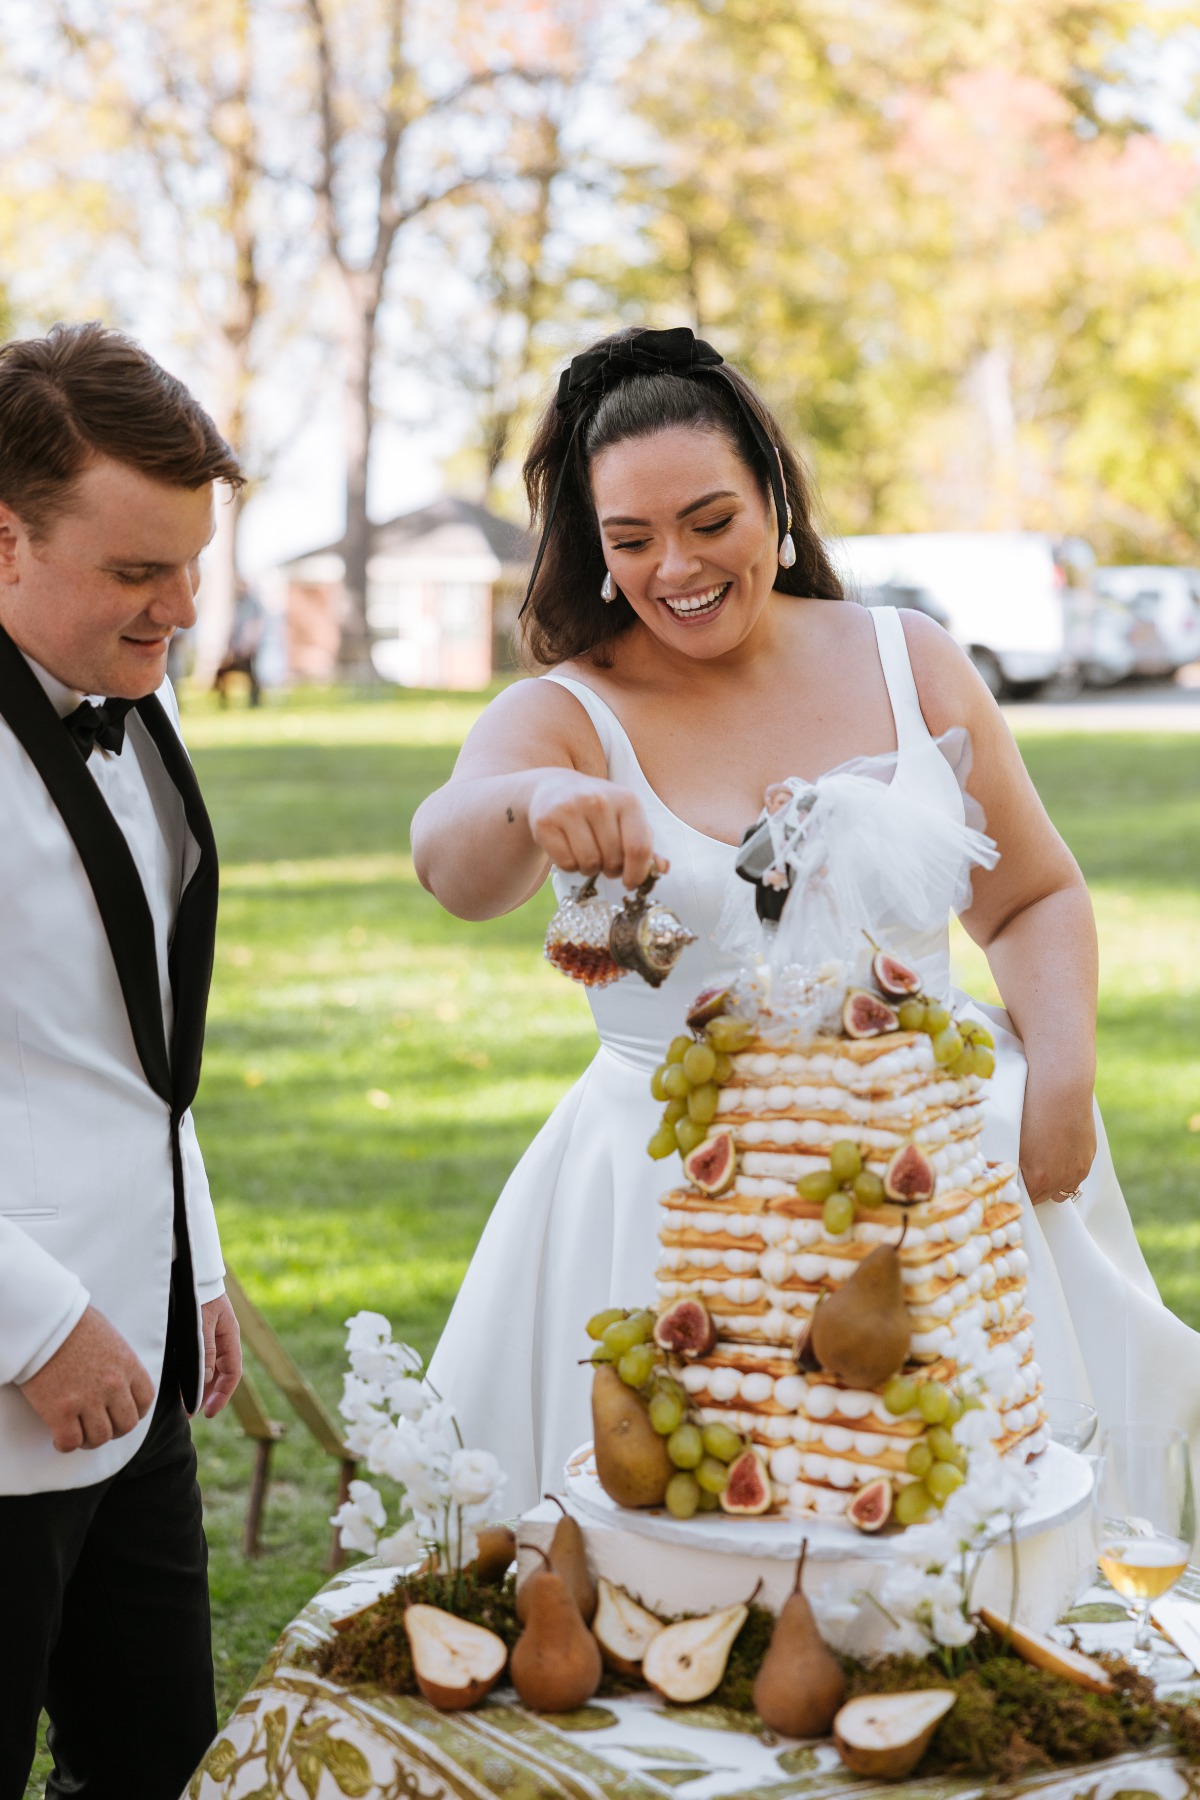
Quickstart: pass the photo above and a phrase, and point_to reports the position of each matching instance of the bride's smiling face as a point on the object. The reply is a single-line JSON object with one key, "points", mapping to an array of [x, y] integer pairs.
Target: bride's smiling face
{"points": [[688, 536]]}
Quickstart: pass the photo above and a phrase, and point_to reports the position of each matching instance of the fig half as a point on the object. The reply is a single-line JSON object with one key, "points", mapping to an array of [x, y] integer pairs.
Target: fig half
{"points": [[871, 1507], [896, 981], [686, 1329], [866, 1015], [909, 1176], [712, 1165]]}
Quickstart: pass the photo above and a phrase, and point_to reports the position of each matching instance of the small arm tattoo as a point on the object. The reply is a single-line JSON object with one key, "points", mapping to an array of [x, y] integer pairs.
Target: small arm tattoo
{"points": [[510, 815]]}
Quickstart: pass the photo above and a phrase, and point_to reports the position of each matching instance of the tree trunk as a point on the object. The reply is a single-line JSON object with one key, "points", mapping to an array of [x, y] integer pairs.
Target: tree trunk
{"points": [[354, 655]]}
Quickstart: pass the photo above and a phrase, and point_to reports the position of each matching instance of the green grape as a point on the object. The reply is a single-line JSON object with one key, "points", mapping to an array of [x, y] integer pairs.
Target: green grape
{"points": [[942, 1480], [621, 1336], [645, 1321], [919, 1460], [685, 1446], [666, 1413], [912, 1015], [712, 1474], [937, 1017], [656, 1082], [954, 1410], [676, 1085], [933, 1402], [702, 1103], [984, 1061], [982, 1037], [729, 1034], [663, 1143], [689, 1133], [900, 1395], [941, 1443], [837, 1214], [709, 1502], [868, 1188], [724, 1068], [721, 1441], [683, 1495], [678, 1048], [673, 1111], [845, 1162], [817, 1185], [637, 1365], [699, 1063], [962, 1065], [601, 1355], [599, 1322], [947, 1046], [912, 1503]]}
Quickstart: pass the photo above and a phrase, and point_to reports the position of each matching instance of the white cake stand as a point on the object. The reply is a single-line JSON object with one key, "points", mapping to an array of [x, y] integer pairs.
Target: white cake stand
{"points": [[1063, 1491], [679, 1566]]}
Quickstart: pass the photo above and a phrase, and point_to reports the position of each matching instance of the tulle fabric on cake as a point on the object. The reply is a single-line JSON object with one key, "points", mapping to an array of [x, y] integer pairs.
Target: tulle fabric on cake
{"points": [[850, 847]]}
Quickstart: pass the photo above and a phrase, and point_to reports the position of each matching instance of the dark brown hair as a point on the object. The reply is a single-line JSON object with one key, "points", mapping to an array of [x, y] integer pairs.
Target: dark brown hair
{"points": [[566, 617], [83, 391]]}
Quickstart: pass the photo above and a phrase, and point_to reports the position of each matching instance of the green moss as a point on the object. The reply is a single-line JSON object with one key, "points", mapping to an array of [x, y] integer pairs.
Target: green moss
{"points": [[372, 1648]]}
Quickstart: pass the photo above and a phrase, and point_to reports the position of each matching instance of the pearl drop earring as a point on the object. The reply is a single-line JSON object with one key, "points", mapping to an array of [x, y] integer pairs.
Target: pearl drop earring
{"points": [[787, 550], [608, 592]]}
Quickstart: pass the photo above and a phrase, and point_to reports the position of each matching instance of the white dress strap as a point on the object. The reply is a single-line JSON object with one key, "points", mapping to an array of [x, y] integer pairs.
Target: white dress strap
{"points": [[898, 676], [623, 766]]}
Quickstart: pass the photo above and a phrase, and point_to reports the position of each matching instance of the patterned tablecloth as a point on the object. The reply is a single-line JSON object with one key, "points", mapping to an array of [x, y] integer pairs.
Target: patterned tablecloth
{"points": [[296, 1736]]}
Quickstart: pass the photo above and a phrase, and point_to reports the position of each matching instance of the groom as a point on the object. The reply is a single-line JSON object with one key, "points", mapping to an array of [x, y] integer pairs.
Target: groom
{"points": [[113, 1319]]}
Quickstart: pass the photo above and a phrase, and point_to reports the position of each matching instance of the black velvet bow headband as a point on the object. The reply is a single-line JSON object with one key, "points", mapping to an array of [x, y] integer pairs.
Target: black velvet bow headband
{"points": [[675, 352]]}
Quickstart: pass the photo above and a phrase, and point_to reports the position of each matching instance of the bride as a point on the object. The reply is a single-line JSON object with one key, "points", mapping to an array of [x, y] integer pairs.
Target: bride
{"points": [[700, 648]]}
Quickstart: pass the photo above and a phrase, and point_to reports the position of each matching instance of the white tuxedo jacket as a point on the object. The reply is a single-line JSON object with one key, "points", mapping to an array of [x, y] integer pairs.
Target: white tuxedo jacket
{"points": [[101, 1178]]}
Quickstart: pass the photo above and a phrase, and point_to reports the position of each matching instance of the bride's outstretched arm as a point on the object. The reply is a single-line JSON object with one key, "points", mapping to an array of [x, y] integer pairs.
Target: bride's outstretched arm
{"points": [[1031, 915], [530, 788]]}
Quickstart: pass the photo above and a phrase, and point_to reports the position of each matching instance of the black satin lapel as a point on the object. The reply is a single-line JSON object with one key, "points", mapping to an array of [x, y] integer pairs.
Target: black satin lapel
{"points": [[106, 857], [191, 956]]}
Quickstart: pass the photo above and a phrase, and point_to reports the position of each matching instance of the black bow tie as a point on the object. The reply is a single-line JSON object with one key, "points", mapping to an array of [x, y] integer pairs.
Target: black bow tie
{"points": [[104, 725]]}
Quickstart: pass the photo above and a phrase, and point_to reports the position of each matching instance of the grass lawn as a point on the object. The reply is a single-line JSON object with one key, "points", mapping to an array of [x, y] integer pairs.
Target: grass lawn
{"points": [[374, 1068]]}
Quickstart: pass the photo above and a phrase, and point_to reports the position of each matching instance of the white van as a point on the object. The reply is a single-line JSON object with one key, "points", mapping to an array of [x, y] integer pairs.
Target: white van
{"points": [[1164, 608], [1019, 602]]}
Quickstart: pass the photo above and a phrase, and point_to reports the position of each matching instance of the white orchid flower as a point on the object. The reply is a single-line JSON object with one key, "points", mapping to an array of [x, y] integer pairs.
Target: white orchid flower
{"points": [[476, 1478], [403, 1548], [367, 1330], [359, 1518]]}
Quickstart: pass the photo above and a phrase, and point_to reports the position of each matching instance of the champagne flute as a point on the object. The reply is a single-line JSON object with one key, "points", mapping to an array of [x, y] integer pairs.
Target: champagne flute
{"points": [[1148, 1520]]}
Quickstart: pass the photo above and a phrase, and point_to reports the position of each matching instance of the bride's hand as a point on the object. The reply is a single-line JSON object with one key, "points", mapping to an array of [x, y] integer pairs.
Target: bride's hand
{"points": [[1058, 1140], [591, 826]]}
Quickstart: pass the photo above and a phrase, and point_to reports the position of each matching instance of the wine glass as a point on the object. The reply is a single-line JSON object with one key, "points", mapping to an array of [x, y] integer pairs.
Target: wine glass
{"points": [[1072, 1422], [1148, 1520]]}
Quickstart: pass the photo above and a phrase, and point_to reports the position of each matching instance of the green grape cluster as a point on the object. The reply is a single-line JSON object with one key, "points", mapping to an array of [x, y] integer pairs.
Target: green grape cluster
{"points": [[938, 1464], [690, 1082], [960, 1049], [841, 1188], [626, 1339], [702, 1455]]}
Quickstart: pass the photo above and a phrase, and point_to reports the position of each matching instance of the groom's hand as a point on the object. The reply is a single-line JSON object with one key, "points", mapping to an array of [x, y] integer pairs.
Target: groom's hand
{"points": [[222, 1354], [92, 1389]]}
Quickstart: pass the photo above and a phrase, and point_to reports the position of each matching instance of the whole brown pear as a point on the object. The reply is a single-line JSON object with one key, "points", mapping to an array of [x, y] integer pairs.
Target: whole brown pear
{"points": [[862, 1332], [555, 1665], [631, 1459], [568, 1558], [800, 1685]]}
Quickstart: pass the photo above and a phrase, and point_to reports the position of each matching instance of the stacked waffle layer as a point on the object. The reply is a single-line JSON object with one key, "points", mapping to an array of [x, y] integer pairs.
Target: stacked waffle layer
{"points": [[761, 1258]]}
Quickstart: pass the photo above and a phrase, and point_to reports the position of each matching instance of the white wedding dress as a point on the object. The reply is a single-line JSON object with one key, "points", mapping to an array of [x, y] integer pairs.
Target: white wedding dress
{"points": [[575, 1228]]}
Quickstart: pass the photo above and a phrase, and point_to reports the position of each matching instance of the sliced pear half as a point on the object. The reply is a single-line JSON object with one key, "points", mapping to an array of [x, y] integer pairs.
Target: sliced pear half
{"points": [[455, 1663], [884, 1736], [686, 1661], [624, 1628], [1044, 1653]]}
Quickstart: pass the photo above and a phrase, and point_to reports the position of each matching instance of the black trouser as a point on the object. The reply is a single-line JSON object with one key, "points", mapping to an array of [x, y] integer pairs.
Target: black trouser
{"points": [[104, 1622]]}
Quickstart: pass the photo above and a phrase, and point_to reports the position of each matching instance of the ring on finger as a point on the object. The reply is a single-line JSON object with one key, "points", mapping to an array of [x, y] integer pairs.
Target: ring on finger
{"points": [[1073, 1195]]}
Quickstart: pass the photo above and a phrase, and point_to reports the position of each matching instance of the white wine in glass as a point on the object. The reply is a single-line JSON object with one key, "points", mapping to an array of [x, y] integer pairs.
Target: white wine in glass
{"points": [[1148, 1514]]}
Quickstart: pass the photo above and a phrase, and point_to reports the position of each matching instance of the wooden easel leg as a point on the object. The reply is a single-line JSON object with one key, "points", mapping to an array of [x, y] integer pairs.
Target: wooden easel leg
{"points": [[258, 1493], [346, 1472]]}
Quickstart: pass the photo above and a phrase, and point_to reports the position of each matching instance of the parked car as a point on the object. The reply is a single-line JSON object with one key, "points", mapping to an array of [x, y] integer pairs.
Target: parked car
{"points": [[1163, 608], [1019, 602]]}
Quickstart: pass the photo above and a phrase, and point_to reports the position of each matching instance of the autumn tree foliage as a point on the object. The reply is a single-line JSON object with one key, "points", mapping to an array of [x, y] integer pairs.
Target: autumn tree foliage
{"points": [[948, 245]]}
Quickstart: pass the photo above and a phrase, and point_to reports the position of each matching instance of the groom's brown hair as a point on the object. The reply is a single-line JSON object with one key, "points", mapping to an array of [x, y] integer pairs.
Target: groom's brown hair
{"points": [[85, 391]]}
